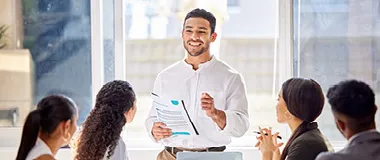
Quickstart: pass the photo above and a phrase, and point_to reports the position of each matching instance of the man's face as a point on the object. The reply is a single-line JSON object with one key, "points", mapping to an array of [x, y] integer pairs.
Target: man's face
{"points": [[196, 36]]}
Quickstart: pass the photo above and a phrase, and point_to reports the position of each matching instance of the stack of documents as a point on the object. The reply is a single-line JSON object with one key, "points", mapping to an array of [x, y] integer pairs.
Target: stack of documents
{"points": [[174, 114]]}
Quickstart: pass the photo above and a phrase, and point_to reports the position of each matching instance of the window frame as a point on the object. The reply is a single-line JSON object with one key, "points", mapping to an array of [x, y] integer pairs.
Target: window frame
{"points": [[97, 47]]}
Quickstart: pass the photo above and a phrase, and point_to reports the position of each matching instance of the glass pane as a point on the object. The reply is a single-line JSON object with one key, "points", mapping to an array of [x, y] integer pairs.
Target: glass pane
{"points": [[153, 32], [109, 40], [57, 33], [337, 40], [233, 3]]}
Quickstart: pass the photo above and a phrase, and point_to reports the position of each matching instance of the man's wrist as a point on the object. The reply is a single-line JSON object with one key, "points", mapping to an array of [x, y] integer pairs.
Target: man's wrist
{"points": [[217, 115]]}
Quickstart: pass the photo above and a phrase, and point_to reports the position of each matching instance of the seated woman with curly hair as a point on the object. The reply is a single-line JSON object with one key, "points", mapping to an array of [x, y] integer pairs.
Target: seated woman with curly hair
{"points": [[100, 136]]}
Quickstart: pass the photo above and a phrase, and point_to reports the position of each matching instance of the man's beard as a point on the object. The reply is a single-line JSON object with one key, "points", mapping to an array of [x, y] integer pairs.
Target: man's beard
{"points": [[201, 51]]}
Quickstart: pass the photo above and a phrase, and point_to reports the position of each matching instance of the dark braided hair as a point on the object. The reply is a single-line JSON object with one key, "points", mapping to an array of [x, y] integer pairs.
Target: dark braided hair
{"points": [[102, 128]]}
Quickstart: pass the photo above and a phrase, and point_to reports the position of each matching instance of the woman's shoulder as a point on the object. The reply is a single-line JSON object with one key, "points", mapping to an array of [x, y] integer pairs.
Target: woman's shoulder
{"points": [[308, 145], [40, 149], [120, 151], [312, 139], [314, 134], [121, 144]]}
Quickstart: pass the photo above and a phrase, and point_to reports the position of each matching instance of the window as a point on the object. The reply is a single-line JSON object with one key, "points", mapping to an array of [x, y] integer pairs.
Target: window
{"points": [[55, 37], [59, 40], [108, 40], [335, 41]]}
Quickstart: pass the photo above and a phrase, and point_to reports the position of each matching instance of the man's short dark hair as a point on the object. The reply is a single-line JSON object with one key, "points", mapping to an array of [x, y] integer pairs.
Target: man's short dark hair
{"points": [[201, 13], [354, 99]]}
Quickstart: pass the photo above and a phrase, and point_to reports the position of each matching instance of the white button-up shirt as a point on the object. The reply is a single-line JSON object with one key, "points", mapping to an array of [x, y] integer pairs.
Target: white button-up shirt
{"points": [[226, 86]]}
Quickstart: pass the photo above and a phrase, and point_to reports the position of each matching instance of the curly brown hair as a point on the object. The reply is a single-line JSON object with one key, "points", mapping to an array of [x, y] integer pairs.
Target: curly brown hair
{"points": [[102, 128]]}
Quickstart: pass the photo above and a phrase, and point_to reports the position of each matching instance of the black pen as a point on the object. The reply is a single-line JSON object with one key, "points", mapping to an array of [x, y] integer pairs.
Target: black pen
{"points": [[279, 137], [154, 94]]}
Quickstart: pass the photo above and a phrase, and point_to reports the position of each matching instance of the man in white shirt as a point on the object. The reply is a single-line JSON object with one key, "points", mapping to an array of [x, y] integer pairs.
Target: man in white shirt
{"points": [[354, 109], [214, 94]]}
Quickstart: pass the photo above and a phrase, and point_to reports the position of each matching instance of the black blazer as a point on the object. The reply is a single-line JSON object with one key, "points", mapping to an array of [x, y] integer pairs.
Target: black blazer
{"points": [[308, 145]]}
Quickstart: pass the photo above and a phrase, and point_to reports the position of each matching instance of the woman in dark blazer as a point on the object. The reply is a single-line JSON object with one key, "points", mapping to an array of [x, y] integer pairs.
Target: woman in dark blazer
{"points": [[300, 102]]}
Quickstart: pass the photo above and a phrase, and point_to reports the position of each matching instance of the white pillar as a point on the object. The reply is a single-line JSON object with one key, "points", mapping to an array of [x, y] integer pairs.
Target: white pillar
{"points": [[97, 47], [139, 28], [160, 21], [11, 16], [119, 35], [159, 31]]}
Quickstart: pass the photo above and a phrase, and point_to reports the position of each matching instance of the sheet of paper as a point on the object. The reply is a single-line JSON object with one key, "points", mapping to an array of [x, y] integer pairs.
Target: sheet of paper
{"points": [[174, 115]]}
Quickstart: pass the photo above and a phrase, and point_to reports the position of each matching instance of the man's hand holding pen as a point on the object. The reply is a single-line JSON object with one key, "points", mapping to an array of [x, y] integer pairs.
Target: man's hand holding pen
{"points": [[218, 116], [207, 103]]}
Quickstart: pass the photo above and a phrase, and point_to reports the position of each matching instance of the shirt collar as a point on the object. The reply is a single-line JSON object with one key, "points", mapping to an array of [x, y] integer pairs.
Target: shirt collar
{"points": [[359, 134], [42, 143], [202, 65]]}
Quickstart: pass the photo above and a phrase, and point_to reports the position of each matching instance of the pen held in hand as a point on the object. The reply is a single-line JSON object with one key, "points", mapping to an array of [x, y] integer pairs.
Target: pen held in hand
{"points": [[279, 137]]}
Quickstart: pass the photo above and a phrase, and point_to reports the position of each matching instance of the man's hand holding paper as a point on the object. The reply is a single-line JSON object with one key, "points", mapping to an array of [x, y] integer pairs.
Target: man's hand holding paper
{"points": [[159, 131], [173, 119]]}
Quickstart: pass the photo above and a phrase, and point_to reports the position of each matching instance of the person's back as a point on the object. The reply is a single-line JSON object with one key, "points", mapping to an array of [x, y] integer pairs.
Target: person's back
{"points": [[48, 128], [119, 152], [308, 145], [100, 136], [365, 146], [39, 149], [353, 105]]}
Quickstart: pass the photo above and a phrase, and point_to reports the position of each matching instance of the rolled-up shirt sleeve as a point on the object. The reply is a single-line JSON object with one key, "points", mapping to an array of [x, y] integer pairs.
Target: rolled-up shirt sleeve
{"points": [[152, 116], [237, 122]]}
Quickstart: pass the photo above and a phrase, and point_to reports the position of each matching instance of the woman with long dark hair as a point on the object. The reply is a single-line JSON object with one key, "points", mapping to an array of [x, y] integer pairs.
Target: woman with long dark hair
{"points": [[100, 138], [300, 102], [48, 128]]}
